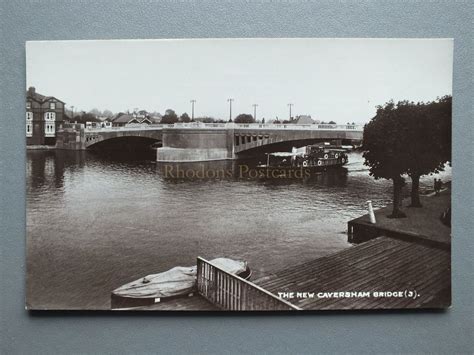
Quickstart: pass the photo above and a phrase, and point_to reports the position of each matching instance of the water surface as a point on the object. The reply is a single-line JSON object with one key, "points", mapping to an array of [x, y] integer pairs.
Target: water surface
{"points": [[96, 222]]}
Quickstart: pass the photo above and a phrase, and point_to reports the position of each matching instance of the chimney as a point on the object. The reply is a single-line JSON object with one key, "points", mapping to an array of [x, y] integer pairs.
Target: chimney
{"points": [[31, 90]]}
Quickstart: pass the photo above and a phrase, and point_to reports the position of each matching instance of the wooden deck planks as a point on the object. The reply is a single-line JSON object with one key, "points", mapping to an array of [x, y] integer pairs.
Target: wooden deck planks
{"points": [[382, 264], [194, 303]]}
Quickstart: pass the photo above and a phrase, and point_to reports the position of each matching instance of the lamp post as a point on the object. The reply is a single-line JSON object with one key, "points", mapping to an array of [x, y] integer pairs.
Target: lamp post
{"points": [[72, 114], [230, 108], [255, 112], [290, 105], [192, 109]]}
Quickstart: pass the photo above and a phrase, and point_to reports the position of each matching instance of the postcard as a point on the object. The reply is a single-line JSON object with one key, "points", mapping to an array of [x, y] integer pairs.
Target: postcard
{"points": [[283, 174]]}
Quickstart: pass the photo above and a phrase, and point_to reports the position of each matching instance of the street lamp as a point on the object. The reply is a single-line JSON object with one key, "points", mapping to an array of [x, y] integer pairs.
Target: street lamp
{"points": [[72, 114], [230, 108], [192, 109], [290, 105], [255, 112]]}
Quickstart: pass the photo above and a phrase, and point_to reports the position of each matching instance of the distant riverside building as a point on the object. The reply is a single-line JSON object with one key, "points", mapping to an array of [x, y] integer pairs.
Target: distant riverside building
{"points": [[135, 118], [44, 116]]}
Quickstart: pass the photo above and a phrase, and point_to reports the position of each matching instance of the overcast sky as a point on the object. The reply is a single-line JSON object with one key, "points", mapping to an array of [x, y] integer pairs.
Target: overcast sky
{"points": [[330, 79]]}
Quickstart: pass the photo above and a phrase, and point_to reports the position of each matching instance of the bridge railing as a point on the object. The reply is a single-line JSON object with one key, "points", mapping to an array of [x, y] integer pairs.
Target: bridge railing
{"points": [[299, 127], [233, 293], [231, 125]]}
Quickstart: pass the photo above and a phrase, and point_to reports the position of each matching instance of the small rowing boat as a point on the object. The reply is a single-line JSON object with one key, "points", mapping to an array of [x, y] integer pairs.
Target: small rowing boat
{"points": [[177, 282]]}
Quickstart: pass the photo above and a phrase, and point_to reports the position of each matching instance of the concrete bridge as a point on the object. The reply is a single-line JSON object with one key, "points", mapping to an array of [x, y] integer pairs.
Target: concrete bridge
{"points": [[206, 141]]}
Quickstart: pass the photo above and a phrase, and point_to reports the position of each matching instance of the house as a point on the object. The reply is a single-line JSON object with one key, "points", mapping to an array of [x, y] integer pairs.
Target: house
{"points": [[135, 118], [44, 116]]}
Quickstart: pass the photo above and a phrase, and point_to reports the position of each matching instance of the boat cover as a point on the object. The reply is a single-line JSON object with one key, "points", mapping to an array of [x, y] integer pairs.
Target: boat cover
{"points": [[174, 282], [231, 266]]}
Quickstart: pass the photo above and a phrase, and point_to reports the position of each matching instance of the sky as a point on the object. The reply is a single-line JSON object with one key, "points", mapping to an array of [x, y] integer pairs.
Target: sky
{"points": [[330, 79]]}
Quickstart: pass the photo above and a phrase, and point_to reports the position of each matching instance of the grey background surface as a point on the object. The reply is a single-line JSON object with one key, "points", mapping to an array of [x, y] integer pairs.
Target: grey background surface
{"points": [[413, 332]]}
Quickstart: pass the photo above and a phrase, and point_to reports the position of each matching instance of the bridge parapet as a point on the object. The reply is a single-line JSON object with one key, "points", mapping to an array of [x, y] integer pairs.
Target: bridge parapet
{"points": [[231, 125]]}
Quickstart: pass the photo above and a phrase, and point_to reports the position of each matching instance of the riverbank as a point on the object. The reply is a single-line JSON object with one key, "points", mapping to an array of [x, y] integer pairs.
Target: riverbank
{"points": [[420, 225]]}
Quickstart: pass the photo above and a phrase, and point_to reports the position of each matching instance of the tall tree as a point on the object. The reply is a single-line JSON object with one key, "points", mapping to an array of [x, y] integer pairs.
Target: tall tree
{"points": [[382, 144]]}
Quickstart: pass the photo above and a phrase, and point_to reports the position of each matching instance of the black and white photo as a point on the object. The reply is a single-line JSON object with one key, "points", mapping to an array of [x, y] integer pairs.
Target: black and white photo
{"points": [[238, 174]]}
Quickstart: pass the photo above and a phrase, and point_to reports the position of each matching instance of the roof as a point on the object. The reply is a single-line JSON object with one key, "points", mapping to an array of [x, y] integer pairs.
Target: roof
{"points": [[123, 118], [128, 118], [33, 95], [303, 119]]}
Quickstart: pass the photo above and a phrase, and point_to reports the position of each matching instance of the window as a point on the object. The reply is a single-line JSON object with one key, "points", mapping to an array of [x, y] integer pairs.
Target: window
{"points": [[29, 130], [50, 116], [49, 129], [29, 115], [28, 104], [52, 105]]}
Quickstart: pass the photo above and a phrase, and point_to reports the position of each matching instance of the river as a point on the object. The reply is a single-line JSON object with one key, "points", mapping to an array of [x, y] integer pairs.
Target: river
{"points": [[96, 222]]}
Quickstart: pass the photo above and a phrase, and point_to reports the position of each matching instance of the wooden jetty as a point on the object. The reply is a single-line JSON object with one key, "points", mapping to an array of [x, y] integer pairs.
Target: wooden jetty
{"points": [[379, 265], [422, 225]]}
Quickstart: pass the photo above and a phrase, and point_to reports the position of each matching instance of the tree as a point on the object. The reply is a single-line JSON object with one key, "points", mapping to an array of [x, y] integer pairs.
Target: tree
{"points": [[244, 118], [185, 118], [332, 122], [169, 117], [409, 138], [428, 139], [263, 120], [108, 113], [382, 144], [96, 112]]}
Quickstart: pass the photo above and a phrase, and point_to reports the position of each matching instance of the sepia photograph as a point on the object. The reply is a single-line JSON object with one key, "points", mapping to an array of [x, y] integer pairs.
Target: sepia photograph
{"points": [[278, 174]]}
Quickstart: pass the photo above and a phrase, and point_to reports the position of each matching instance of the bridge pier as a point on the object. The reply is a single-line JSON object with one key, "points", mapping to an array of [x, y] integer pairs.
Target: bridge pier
{"points": [[196, 144]]}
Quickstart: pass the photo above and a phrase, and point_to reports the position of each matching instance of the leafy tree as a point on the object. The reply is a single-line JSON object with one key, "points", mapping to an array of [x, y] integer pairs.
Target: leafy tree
{"points": [[382, 146], [332, 122], [108, 113], [408, 138], [169, 117], [244, 118], [428, 139], [185, 118], [96, 112], [263, 120]]}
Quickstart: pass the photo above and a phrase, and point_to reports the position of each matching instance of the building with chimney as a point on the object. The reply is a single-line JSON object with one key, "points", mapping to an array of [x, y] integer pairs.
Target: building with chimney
{"points": [[44, 116]]}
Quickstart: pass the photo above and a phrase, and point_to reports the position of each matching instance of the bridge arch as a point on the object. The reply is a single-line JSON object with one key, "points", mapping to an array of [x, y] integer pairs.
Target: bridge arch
{"points": [[117, 139], [123, 143], [248, 142]]}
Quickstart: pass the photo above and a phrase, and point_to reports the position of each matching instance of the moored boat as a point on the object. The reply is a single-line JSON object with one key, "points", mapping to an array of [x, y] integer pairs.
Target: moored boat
{"points": [[177, 282], [310, 157]]}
